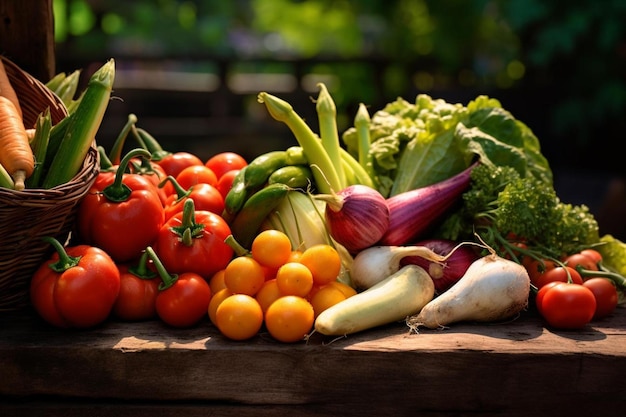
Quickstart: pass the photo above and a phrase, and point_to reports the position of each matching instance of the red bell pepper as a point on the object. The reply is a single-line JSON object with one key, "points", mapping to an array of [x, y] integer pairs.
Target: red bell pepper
{"points": [[194, 241], [76, 287], [121, 214]]}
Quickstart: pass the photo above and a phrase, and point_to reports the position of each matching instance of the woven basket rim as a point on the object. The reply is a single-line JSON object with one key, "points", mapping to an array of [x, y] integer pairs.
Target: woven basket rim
{"points": [[28, 215], [36, 92]]}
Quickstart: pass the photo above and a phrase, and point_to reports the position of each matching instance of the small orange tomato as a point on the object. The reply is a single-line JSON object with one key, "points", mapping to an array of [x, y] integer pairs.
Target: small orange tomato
{"points": [[244, 275], [323, 261], [271, 248], [294, 278], [239, 317], [289, 319]]}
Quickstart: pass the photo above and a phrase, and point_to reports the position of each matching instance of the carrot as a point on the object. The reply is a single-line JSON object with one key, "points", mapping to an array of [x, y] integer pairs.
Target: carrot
{"points": [[7, 90], [15, 152]]}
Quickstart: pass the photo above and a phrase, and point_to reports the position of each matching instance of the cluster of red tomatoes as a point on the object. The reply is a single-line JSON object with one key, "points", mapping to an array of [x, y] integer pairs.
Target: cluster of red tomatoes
{"points": [[572, 293], [149, 236]]}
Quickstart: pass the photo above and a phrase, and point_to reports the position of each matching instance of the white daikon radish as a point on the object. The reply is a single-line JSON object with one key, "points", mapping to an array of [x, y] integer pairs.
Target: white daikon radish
{"points": [[492, 289]]}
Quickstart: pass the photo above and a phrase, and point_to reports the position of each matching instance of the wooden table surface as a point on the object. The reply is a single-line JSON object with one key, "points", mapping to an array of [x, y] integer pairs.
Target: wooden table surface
{"points": [[518, 368]]}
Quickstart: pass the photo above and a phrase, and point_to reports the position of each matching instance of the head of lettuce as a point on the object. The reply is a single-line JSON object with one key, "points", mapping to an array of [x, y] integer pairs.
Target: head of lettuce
{"points": [[413, 145]]}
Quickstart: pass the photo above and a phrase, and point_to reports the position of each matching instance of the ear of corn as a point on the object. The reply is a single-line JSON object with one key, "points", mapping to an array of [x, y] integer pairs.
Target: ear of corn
{"points": [[68, 87], [81, 130], [39, 145], [5, 179], [55, 82]]}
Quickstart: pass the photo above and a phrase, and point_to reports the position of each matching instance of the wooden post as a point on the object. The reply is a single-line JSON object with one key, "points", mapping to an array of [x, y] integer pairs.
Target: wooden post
{"points": [[27, 36]]}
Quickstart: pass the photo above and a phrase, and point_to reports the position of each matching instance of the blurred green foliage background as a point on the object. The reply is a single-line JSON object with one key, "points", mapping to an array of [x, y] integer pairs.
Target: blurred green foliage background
{"points": [[559, 66]]}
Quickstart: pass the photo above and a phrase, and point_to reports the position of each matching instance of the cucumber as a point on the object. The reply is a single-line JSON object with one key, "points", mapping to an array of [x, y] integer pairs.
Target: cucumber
{"points": [[295, 176], [261, 167], [247, 223], [236, 196]]}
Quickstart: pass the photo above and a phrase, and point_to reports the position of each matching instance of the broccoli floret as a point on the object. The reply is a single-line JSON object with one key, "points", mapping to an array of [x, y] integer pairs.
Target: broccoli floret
{"points": [[503, 208]]}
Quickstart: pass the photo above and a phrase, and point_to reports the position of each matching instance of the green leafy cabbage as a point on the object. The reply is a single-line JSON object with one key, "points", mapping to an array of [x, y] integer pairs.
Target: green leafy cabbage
{"points": [[418, 144]]}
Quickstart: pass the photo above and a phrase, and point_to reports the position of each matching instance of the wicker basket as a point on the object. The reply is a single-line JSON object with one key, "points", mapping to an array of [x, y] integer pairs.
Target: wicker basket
{"points": [[27, 216]]}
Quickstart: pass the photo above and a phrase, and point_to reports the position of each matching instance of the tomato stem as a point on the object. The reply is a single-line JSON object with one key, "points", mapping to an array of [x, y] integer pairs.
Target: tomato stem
{"points": [[118, 145], [236, 246], [118, 191], [617, 279], [141, 270], [150, 143], [188, 229], [65, 261], [105, 163], [180, 191], [144, 168], [167, 279]]}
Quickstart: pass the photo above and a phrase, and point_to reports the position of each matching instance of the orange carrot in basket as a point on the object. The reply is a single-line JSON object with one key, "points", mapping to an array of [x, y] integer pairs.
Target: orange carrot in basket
{"points": [[15, 152], [7, 90]]}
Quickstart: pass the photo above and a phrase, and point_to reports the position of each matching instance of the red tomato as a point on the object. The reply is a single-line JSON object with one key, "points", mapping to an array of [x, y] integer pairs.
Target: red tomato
{"points": [[139, 287], [584, 261], [225, 182], [537, 268], [593, 254], [76, 287], [542, 291], [566, 306], [606, 296], [196, 174], [174, 163], [193, 241], [223, 162], [205, 197], [154, 172], [560, 273], [185, 302]]}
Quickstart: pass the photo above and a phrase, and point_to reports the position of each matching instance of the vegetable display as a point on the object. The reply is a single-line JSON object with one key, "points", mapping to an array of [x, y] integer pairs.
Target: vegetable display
{"points": [[423, 214]]}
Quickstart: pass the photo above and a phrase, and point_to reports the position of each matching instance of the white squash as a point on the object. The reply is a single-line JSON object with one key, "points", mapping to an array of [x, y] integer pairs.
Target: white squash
{"points": [[398, 296]]}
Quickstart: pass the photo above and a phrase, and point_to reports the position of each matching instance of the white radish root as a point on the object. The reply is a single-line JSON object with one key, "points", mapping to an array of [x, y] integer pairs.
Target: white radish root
{"points": [[492, 289]]}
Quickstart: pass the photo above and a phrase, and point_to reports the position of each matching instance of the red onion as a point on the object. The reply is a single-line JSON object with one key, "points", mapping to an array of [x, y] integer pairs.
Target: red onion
{"points": [[414, 212], [444, 274], [357, 216]]}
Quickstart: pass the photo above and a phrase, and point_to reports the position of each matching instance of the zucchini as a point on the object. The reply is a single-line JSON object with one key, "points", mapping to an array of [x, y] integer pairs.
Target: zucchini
{"points": [[82, 128]]}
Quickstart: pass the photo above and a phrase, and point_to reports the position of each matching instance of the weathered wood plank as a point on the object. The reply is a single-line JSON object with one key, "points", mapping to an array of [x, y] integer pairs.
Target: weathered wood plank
{"points": [[27, 36], [515, 368]]}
